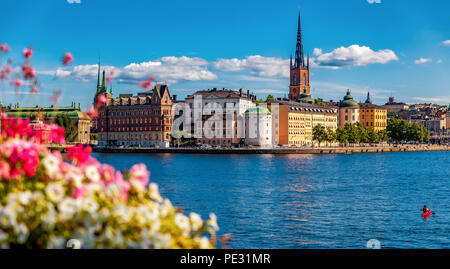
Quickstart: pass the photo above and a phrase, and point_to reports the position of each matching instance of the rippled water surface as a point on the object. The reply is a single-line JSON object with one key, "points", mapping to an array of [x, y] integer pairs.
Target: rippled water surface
{"points": [[310, 201]]}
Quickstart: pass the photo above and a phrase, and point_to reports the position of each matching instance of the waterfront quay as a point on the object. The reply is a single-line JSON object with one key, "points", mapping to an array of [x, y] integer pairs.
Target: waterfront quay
{"points": [[286, 150]]}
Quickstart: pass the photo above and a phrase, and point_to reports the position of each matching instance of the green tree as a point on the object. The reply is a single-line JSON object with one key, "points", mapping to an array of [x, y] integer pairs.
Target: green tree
{"points": [[362, 132], [372, 136], [65, 121], [270, 98], [331, 135], [260, 101], [319, 102], [341, 135], [352, 133], [319, 133], [383, 136]]}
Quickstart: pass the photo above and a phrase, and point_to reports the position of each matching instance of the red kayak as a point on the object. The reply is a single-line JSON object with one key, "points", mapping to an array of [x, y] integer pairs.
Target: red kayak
{"points": [[427, 214]]}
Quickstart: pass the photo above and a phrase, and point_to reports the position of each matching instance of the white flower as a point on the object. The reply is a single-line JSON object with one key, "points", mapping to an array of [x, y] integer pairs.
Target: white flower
{"points": [[3, 237], [161, 241], [75, 176], [7, 217], [21, 232], [165, 208], [49, 219], [56, 242], [89, 204], [55, 192], [154, 192], [68, 207], [203, 242], [196, 221], [113, 190], [92, 188], [213, 221], [24, 197], [183, 223], [92, 173], [121, 211], [51, 164]]}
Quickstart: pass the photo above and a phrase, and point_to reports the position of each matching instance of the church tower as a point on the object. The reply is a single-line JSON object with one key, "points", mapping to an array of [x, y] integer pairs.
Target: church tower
{"points": [[102, 87], [299, 70]]}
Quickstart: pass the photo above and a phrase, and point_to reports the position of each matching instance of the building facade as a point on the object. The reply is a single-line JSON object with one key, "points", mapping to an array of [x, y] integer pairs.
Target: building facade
{"points": [[348, 110], [258, 127], [211, 127], [373, 116], [142, 120], [81, 121], [394, 107], [293, 122]]}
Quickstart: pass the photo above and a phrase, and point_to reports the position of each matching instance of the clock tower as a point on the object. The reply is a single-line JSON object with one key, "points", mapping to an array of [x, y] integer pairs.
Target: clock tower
{"points": [[299, 82]]}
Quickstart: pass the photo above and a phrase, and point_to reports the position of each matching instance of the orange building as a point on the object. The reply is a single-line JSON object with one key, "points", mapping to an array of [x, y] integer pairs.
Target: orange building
{"points": [[373, 116], [293, 122]]}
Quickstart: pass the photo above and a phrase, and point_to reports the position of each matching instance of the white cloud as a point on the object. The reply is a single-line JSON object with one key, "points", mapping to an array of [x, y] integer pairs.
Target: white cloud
{"points": [[354, 55], [446, 43], [439, 61], [74, 1], [170, 69], [256, 65], [423, 60], [317, 52]]}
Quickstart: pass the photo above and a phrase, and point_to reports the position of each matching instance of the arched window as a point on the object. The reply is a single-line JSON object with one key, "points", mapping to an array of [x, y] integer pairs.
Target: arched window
{"points": [[304, 79], [295, 79]]}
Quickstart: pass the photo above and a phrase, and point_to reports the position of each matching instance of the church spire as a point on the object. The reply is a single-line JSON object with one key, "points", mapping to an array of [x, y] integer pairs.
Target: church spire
{"points": [[98, 78], [299, 60]]}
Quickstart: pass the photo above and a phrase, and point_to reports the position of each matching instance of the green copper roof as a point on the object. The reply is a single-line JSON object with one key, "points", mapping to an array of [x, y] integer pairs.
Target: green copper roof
{"points": [[257, 110], [47, 113], [348, 101]]}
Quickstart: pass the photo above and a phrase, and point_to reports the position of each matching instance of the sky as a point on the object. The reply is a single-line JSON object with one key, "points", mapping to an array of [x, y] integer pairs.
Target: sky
{"points": [[397, 48]]}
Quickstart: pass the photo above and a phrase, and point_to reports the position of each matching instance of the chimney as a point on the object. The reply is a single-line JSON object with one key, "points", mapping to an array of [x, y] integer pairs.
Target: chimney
{"points": [[240, 92], [174, 97], [248, 93]]}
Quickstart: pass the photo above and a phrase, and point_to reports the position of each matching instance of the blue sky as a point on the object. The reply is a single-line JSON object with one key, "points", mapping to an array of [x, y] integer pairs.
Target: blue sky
{"points": [[395, 47]]}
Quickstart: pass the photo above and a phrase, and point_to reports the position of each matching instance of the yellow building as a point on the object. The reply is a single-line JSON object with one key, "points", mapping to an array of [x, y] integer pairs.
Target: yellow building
{"points": [[373, 116], [293, 122]]}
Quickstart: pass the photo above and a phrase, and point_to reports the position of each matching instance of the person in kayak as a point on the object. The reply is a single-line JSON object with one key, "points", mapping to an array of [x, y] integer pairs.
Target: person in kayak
{"points": [[425, 209]]}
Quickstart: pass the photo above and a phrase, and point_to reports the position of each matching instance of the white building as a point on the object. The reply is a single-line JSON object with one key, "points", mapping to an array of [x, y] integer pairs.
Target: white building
{"points": [[217, 116], [258, 127]]}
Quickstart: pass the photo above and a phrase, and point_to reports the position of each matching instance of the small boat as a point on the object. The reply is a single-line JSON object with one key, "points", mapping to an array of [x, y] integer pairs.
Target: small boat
{"points": [[426, 214]]}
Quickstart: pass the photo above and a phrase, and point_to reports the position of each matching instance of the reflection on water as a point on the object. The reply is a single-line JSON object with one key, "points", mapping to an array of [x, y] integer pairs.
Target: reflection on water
{"points": [[310, 201]]}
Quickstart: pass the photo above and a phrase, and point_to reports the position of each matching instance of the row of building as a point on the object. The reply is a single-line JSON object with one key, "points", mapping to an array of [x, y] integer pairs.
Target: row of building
{"points": [[229, 117]]}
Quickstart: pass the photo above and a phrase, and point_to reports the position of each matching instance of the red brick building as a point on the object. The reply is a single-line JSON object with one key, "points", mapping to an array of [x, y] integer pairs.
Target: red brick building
{"points": [[142, 120], [299, 83]]}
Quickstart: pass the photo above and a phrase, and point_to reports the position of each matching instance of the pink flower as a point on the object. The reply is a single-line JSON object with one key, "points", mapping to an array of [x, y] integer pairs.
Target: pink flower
{"points": [[4, 48], [107, 173], [57, 134], [16, 127], [34, 88], [147, 83], [139, 173], [92, 112], [78, 192], [17, 83], [102, 99], [27, 53], [67, 58], [28, 72], [110, 77], [79, 154], [5, 170]]}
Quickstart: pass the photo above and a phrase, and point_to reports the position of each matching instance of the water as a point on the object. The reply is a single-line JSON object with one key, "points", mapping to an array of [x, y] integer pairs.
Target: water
{"points": [[310, 201]]}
